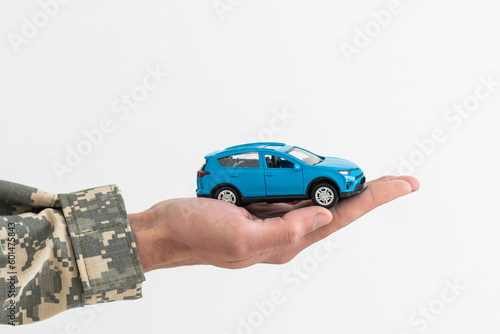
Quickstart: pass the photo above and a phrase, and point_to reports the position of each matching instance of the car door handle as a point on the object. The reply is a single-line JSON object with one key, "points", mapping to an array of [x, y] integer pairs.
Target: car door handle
{"points": [[233, 174], [270, 174]]}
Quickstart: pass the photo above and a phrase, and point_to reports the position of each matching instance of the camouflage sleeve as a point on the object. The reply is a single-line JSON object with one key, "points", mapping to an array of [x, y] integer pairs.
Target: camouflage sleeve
{"points": [[63, 251]]}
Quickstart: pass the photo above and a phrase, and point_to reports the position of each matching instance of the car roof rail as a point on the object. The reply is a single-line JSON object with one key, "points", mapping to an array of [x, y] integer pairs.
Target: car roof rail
{"points": [[245, 146], [256, 144]]}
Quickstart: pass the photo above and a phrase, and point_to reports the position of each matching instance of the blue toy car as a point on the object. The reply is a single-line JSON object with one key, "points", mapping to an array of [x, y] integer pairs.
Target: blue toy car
{"points": [[276, 172]]}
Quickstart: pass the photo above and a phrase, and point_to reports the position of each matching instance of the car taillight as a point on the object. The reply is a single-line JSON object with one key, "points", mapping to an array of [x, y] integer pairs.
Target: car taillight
{"points": [[202, 173]]}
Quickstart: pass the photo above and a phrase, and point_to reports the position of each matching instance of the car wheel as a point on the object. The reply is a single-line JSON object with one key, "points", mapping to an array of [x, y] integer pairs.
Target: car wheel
{"points": [[228, 195], [325, 195]]}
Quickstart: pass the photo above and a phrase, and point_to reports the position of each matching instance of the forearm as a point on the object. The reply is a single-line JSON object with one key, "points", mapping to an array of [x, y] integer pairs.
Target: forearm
{"points": [[68, 250], [40, 277], [104, 244]]}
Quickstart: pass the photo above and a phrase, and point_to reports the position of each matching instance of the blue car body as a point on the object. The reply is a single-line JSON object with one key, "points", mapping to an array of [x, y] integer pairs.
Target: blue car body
{"points": [[275, 172]]}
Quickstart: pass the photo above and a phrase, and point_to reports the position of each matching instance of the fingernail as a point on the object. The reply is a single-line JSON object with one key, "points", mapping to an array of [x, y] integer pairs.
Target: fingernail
{"points": [[321, 220]]}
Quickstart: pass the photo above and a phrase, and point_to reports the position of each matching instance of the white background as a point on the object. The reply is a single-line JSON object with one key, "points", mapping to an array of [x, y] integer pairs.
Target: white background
{"points": [[227, 77]]}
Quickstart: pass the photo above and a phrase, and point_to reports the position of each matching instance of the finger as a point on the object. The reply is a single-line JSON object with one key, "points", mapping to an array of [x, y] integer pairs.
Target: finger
{"points": [[288, 230], [415, 185], [382, 178], [350, 210], [379, 191], [375, 195], [264, 210], [302, 204], [410, 179]]}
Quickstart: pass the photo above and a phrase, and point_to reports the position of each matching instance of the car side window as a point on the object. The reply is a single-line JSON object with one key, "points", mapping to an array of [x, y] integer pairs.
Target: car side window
{"points": [[249, 159], [274, 161]]}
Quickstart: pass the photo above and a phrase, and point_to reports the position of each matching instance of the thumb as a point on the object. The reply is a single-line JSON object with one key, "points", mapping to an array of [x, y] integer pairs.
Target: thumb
{"points": [[291, 228]]}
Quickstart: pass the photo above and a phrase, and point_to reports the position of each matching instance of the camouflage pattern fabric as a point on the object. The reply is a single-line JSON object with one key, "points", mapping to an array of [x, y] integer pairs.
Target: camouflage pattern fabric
{"points": [[63, 251]]}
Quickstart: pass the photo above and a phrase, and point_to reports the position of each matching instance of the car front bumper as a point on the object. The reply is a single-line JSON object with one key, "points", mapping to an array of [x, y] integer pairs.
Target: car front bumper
{"points": [[354, 192]]}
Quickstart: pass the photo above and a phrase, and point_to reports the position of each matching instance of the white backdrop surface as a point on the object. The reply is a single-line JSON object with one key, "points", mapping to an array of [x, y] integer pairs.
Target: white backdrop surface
{"points": [[398, 87]]}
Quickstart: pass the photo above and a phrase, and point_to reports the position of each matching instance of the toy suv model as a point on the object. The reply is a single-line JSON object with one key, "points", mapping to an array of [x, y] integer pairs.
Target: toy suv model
{"points": [[276, 172]]}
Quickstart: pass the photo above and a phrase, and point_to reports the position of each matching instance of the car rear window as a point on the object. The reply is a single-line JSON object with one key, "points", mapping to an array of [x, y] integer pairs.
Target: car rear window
{"points": [[249, 159]]}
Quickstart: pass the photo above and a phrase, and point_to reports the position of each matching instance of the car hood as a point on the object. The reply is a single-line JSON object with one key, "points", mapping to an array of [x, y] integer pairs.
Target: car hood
{"points": [[337, 163]]}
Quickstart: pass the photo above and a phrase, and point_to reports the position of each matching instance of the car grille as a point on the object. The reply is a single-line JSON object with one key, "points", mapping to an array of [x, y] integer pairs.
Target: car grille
{"points": [[360, 175]]}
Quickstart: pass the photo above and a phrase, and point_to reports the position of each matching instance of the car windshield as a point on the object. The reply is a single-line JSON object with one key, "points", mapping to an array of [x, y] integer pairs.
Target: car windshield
{"points": [[304, 156]]}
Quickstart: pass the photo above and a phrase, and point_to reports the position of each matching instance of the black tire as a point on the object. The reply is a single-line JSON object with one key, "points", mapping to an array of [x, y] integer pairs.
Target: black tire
{"points": [[325, 195], [229, 195]]}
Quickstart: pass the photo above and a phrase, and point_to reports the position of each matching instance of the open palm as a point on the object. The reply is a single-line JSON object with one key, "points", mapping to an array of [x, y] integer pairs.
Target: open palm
{"points": [[207, 231]]}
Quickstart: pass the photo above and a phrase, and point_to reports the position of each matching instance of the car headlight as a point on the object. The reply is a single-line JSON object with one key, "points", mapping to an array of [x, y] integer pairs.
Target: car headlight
{"points": [[344, 172]]}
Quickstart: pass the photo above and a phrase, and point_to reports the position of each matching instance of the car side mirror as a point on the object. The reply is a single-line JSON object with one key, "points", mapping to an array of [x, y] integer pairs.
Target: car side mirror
{"points": [[296, 167]]}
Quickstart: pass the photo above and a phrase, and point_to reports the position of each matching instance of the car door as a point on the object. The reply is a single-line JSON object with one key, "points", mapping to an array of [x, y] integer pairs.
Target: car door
{"points": [[245, 172], [281, 176]]}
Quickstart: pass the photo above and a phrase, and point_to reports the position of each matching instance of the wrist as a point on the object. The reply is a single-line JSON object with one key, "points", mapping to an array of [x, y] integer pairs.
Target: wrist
{"points": [[155, 245], [143, 239]]}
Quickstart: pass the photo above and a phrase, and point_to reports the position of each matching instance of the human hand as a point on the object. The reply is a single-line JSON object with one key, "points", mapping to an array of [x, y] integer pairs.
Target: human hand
{"points": [[206, 231]]}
